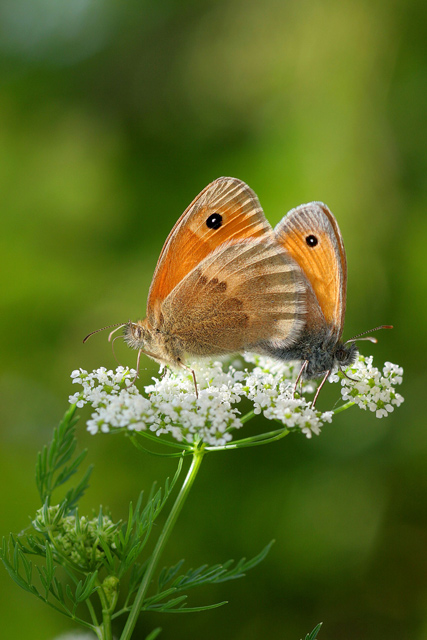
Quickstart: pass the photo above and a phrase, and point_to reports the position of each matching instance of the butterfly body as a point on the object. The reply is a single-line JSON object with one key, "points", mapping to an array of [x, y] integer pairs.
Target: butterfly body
{"points": [[235, 298], [321, 352], [311, 236], [226, 282]]}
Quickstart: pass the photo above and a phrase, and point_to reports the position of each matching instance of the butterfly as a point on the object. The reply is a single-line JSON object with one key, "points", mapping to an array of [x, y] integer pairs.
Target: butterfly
{"points": [[226, 282]]}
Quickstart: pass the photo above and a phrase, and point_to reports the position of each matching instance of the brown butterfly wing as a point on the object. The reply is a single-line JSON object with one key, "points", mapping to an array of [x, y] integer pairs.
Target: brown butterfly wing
{"points": [[311, 236], [226, 211], [239, 296]]}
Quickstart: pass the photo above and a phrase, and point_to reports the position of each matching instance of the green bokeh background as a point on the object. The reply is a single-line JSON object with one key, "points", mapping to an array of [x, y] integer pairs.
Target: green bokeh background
{"points": [[113, 116]]}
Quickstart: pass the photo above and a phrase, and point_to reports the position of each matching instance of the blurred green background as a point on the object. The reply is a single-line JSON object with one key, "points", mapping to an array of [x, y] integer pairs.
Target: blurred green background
{"points": [[113, 116]]}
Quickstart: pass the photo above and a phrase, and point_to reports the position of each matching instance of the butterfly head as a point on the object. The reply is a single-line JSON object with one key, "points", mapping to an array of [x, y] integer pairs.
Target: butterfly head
{"points": [[324, 353], [345, 354], [137, 335]]}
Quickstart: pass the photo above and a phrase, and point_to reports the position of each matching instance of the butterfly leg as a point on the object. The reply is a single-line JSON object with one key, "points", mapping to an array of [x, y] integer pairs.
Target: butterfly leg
{"points": [[187, 368], [112, 348], [164, 372], [325, 377], [301, 371], [137, 365], [348, 377]]}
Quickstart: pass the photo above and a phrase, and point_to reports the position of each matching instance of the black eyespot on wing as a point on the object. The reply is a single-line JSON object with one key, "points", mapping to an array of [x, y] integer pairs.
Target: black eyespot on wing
{"points": [[311, 240], [214, 221]]}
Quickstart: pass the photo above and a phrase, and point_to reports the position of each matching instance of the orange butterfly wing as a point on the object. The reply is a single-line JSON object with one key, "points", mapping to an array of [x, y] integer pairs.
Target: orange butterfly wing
{"points": [[226, 211], [311, 236]]}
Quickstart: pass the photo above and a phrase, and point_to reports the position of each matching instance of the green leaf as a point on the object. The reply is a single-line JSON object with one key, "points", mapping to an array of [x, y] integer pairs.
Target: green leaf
{"points": [[171, 606], [14, 557], [196, 577], [163, 606], [73, 495], [28, 567], [45, 583], [136, 576], [49, 563], [35, 546], [13, 567], [313, 634], [153, 635], [70, 594], [160, 596], [132, 537], [51, 467], [244, 565], [166, 575], [88, 587], [209, 575], [58, 591]]}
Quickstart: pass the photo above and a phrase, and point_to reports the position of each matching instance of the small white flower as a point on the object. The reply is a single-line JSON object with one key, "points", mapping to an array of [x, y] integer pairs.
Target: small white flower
{"points": [[373, 389], [381, 413], [169, 405]]}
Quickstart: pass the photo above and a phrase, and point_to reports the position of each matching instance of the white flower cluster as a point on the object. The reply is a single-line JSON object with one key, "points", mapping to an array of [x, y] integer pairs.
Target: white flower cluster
{"points": [[170, 406], [370, 388], [270, 387]]}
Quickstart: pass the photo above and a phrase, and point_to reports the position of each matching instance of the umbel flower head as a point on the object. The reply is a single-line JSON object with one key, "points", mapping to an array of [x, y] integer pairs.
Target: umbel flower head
{"points": [[79, 539], [370, 388], [170, 406]]}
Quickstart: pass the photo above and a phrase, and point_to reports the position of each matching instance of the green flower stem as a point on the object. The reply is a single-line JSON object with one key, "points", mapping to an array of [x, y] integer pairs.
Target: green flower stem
{"points": [[106, 625], [168, 443], [106, 628], [139, 446], [198, 454], [253, 441], [92, 612], [247, 416], [343, 407]]}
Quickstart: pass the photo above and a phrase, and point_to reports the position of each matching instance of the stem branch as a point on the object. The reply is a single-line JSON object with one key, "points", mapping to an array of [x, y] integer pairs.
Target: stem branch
{"points": [[343, 407]]}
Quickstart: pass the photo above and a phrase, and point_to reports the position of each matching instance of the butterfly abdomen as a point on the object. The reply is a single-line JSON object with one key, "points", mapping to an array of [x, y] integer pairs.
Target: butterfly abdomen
{"points": [[321, 351]]}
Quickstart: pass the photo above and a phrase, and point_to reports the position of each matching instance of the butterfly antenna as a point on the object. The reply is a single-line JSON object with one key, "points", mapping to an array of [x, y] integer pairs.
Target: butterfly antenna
{"points": [[118, 325], [370, 338]]}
